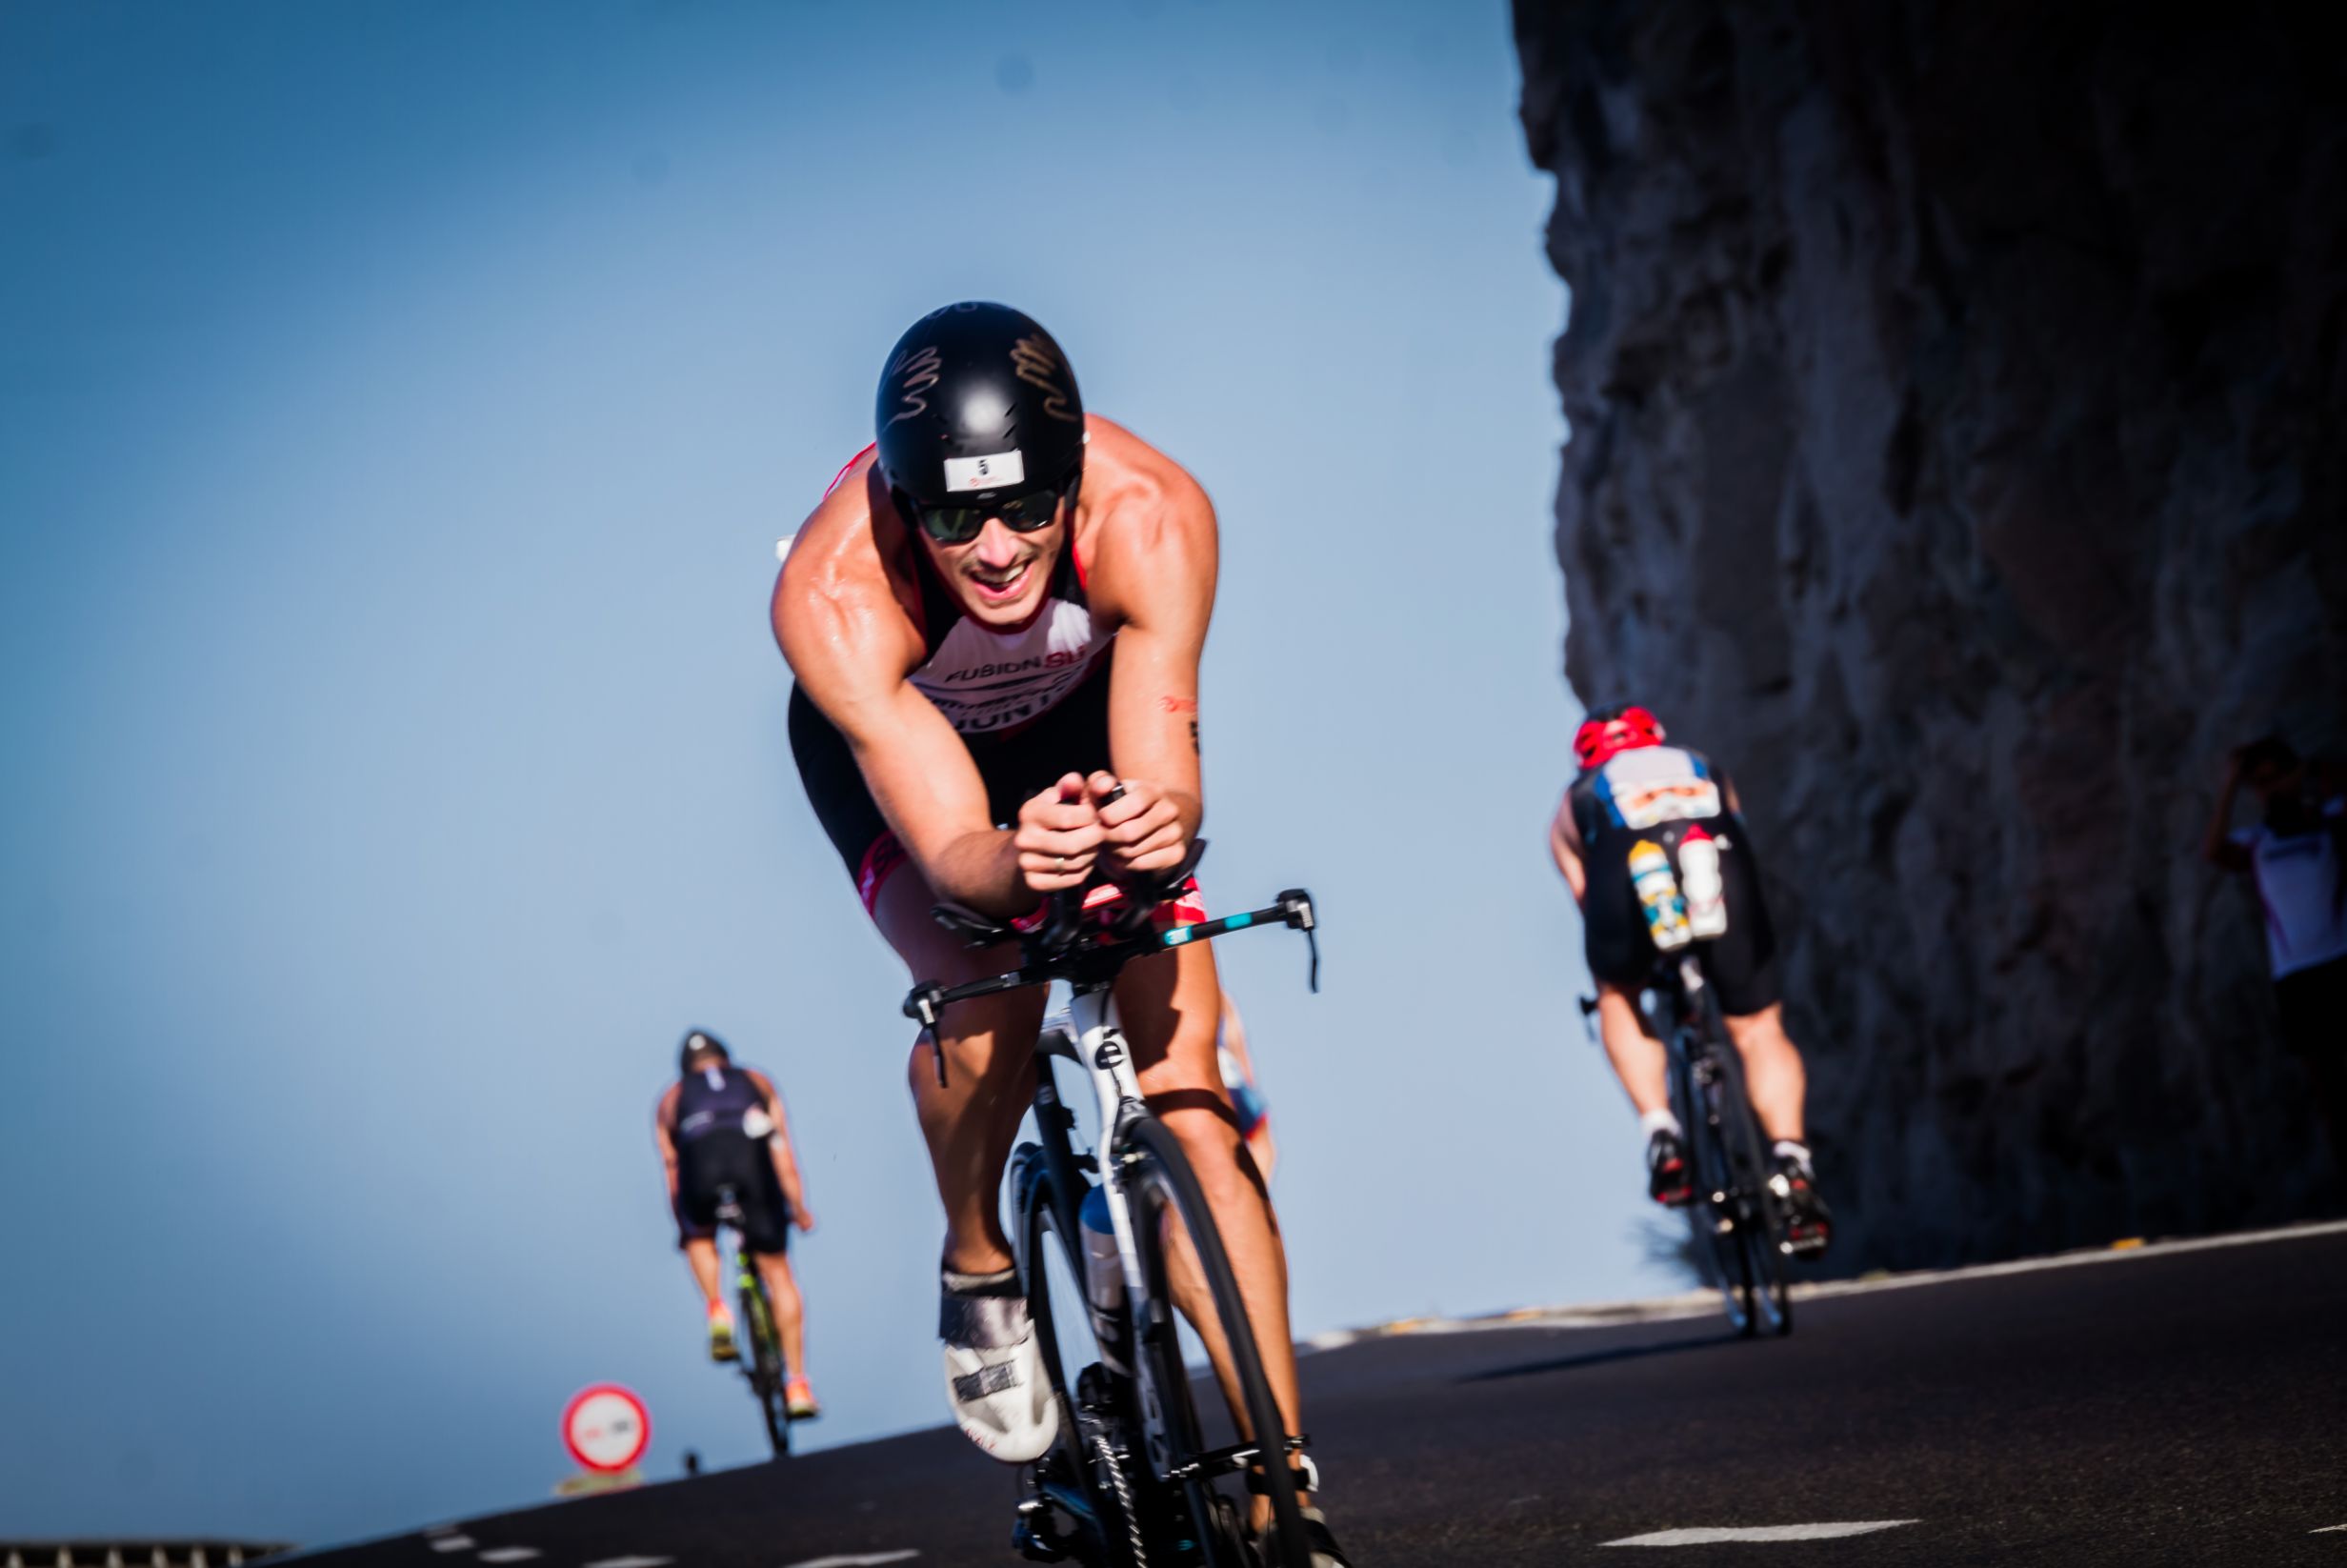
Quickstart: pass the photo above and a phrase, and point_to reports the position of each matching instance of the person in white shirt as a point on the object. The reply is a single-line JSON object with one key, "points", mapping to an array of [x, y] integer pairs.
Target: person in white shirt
{"points": [[2296, 854]]}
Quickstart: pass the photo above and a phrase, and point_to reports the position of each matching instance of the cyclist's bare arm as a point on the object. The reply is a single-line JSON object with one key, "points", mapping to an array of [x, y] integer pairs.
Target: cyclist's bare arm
{"points": [[1154, 554], [852, 645], [663, 1118], [1565, 844], [779, 1147]]}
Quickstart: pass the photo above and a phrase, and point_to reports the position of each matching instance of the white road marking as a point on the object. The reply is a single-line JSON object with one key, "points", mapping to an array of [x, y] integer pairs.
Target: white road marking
{"points": [[631, 1562], [510, 1554], [1703, 1303], [449, 1543], [1765, 1532], [2328, 1529], [863, 1560]]}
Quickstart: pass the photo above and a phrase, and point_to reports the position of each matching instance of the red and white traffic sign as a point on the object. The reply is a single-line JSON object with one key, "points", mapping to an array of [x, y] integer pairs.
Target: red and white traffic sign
{"points": [[605, 1428]]}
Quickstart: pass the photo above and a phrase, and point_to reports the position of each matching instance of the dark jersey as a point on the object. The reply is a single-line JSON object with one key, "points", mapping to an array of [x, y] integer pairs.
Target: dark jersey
{"points": [[1660, 793], [720, 1099]]}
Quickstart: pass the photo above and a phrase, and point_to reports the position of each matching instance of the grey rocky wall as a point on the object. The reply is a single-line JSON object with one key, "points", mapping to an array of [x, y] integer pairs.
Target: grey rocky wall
{"points": [[1959, 410]]}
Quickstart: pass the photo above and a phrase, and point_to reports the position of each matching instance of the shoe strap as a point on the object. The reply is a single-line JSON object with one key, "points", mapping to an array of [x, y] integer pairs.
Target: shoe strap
{"points": [[993, 1321]]}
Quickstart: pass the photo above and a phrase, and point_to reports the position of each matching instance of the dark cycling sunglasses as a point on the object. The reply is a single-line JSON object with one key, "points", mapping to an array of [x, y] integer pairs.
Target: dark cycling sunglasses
{"points": [[959, 525]]}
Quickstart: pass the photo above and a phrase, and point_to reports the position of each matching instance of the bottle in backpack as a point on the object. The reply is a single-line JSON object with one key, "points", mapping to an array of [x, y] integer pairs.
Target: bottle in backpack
{"points": [[1659, 898], [1698, 879]]}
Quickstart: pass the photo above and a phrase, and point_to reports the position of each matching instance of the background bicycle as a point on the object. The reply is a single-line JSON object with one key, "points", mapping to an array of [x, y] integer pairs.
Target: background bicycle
{"points": [[1737, 1215], [763, 1365]]}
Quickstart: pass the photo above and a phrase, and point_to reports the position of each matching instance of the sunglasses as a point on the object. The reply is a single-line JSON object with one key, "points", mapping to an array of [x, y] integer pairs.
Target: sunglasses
{"points": [[1025, 513]]}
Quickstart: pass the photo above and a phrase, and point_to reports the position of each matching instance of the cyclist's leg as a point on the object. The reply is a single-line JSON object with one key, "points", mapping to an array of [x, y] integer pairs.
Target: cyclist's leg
{"points": [[790, 1311], [972, 1120], [701, 1258], [1639, 1058], [766, 1237], [1168, 1007], [1774, 1077], [1620, 955], [697, 1231], [696, 1238], [995, 1382], [1741, 964]]}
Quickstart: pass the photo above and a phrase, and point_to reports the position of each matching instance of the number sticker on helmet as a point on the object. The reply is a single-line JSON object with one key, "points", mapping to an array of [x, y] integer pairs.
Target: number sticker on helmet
{"points": [[990, 473]]}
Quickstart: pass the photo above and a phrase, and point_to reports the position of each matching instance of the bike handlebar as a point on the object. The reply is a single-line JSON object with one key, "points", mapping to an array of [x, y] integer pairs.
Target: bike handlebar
{"points": [[1076, 958]]}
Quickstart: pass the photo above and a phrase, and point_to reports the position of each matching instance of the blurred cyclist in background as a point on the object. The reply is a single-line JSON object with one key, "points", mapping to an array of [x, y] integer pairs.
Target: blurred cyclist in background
{"points": [[1238, 1079], [720, 1126], [1637, 805]]}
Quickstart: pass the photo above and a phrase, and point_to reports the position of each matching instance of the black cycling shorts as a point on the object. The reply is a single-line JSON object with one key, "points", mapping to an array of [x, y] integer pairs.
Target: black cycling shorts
{"points": [[1740, 963], [1072, 736], [715, 1161]]}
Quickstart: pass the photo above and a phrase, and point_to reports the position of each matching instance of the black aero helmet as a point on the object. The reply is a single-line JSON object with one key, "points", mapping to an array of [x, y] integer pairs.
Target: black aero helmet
{"points": [[978, 404], [696, 1042]]}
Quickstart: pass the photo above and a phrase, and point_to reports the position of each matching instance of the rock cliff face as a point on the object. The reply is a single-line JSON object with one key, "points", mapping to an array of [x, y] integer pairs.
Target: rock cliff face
{"points": [[1959, 407]]}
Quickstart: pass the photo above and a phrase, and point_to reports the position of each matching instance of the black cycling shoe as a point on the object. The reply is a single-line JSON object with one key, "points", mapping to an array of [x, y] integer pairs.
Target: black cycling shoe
{"points": [[1809, 1226], [1667, 1180], [1325, 1552]]}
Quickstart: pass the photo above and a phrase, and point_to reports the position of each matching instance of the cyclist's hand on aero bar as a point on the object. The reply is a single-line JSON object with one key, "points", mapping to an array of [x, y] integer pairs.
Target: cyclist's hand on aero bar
{"points": [[1058, 837], [1144, 828]]}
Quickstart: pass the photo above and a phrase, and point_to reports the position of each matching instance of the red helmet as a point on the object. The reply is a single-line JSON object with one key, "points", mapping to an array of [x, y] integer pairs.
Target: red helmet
{"points": [[1623, 728]]}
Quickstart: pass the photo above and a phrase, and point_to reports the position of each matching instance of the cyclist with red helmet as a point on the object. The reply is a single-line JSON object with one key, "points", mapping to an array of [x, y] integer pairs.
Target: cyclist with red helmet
{"points": [[1638, 807]]}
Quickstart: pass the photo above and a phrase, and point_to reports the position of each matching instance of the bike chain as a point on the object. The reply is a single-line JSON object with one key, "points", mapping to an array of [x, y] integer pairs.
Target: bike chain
{"points": [[1124, 1497]]}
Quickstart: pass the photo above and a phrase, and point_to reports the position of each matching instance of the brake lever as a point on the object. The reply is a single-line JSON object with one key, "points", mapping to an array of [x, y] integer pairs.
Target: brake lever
{"points": [[1296, 906], [924, 1005]]}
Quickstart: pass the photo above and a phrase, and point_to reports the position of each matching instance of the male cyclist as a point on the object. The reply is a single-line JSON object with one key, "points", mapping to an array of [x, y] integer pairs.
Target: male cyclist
{"points": [[1638, 800], [720, 1126], [995, 617]]}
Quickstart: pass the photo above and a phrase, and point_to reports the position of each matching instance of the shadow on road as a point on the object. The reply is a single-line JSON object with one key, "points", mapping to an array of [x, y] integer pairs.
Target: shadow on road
{"points": [[1592, 1358]]}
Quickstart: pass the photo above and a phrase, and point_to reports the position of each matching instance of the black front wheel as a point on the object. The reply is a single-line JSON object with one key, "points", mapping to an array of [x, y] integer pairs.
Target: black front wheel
{"points": [[1166, 1198], [1083, 1502]]}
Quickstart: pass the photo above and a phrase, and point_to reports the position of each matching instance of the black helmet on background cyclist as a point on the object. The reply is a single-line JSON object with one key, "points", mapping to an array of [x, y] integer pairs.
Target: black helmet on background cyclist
{"points": [[699, 1042], [978, 416], [1620, 727]]}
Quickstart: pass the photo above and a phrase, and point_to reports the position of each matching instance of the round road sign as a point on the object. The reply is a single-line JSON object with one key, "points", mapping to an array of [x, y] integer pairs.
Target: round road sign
{"points": [[605, 1428]]}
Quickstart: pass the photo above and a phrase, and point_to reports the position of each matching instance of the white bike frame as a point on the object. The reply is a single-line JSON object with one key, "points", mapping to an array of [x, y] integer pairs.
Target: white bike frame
{"points": [[1101, 1051]]}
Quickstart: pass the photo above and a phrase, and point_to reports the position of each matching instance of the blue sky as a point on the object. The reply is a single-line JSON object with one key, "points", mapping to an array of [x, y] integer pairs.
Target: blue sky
{"points": [[399, 404]]}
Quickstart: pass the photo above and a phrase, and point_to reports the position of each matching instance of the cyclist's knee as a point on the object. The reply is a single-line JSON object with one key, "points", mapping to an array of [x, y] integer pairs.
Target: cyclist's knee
{"points": [[1207, 1130], [1762, 1032]]}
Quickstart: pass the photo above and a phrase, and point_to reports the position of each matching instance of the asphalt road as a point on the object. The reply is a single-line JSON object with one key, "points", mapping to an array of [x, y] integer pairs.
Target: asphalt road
{"points": [[2185, 1407]]}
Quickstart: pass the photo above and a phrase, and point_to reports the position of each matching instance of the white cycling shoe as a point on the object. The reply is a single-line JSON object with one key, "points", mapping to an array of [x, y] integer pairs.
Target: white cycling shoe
{"points": [[994, 1368]]}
